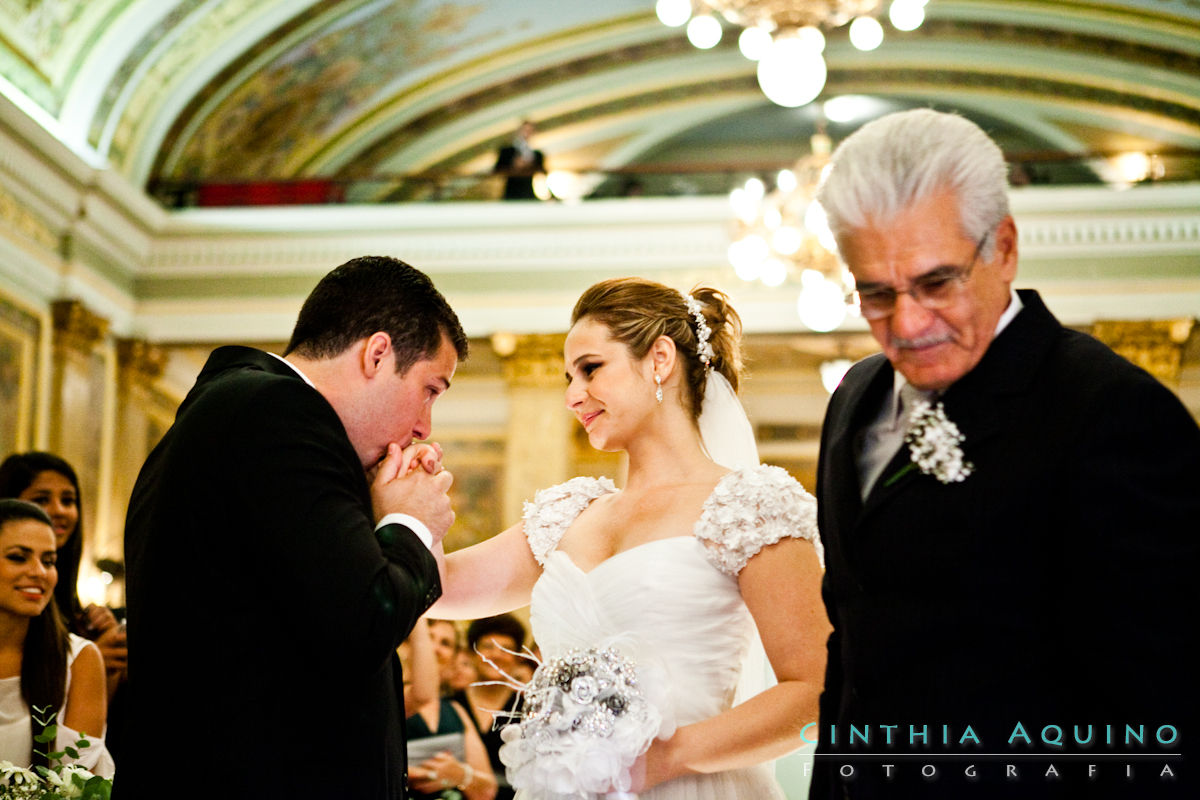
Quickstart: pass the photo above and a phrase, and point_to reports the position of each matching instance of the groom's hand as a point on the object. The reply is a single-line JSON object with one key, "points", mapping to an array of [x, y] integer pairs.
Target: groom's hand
{"points": [[412, 481]]}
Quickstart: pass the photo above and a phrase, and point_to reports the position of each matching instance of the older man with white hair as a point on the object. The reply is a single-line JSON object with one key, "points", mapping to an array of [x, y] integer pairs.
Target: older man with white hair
{"points": [[1009, 509]]}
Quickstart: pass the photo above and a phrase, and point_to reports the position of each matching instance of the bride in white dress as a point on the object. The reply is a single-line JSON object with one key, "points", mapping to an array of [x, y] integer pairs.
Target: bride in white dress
{"points": [[666, 579]]}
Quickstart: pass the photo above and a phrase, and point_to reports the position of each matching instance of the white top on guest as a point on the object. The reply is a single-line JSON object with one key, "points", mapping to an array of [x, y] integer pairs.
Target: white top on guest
{"points": [[16, 738]]}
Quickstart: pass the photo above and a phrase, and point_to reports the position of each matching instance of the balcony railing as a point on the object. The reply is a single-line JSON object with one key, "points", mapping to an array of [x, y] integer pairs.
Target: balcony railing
{"points": [[652, 180]]}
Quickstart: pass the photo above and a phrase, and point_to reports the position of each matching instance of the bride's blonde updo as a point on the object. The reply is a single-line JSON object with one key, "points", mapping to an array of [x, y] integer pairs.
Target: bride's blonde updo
{"points": [[637, 311]]}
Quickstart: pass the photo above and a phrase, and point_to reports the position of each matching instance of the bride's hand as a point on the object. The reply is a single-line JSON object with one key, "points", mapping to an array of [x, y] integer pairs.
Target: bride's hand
{"points": [[412, 481], [427, 455], [652, 767]]}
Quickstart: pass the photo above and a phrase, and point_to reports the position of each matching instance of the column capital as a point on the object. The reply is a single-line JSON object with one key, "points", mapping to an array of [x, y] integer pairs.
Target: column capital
{"points": [[531, 359], [75, 326], [1156, 346], [140, 360]]}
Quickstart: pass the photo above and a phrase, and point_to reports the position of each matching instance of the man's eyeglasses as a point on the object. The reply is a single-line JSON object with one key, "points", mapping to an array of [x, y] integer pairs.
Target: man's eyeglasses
{"points": [[934, 290]]}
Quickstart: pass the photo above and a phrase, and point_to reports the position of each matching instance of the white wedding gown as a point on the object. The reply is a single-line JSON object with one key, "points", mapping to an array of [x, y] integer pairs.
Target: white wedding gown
{"points": [[672, 606]]}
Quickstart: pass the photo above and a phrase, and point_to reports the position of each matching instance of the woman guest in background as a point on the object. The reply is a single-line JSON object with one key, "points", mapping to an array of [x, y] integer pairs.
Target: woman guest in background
{"points": [[444, 635], [42, 666], [48, 481], [645, 600], [463, 675], [490, 700], [446, 757]]}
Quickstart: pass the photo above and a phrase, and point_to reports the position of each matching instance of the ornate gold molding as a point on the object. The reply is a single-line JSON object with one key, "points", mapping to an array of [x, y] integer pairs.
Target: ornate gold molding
{"points": [[75, 327], [25, 222], [1156, 346], [140, 360], [531, 360]]}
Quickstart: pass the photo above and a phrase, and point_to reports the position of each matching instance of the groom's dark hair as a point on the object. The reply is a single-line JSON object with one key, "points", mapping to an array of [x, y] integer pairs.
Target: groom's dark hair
{"points": [[376, 293]]}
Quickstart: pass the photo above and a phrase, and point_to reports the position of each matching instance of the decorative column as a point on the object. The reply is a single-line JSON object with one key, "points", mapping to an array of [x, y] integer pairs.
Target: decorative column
{"points": [[538, 443], [21, 362], [77, 379], [1156, 346], [79, 405], [143, 414]]}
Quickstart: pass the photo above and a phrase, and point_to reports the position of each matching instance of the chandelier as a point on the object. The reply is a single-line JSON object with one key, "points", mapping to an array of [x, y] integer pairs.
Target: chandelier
{"points": [[781, 235], [784, 36]]}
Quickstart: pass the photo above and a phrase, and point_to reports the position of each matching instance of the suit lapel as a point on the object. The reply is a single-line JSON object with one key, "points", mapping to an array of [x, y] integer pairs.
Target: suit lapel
{"points": [[864, 392], [976, 403]]}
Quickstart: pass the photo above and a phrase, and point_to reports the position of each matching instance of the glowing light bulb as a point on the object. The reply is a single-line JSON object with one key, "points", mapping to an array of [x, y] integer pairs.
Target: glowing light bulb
{"points": [[866, 33], [774, 272], [704, 31], [821, 306], [754, 42], [673, 12], [786, 180], [791, 74], [747, 255], [787, 240], [812, 38], [906, 15]]}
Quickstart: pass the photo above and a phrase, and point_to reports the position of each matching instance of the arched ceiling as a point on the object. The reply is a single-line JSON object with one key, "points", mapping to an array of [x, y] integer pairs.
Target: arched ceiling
{"points": [[226, 90]]}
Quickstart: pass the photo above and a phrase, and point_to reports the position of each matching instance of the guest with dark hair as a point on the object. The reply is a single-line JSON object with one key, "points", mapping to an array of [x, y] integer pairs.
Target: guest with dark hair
{"points": [[47, 675], [48, 481], [491, 702]]}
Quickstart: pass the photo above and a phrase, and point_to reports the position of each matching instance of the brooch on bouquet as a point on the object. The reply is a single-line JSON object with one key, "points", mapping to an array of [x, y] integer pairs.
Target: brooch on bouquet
{"points": [[585, 722], [933, 443]]}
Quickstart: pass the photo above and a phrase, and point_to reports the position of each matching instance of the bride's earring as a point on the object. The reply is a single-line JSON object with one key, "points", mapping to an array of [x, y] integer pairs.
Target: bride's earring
{"points": [[658, 391]]}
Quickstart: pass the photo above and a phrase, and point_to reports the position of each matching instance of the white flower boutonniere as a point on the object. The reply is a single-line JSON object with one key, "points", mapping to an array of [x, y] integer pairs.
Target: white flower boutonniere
{"points": [[933, 441]]}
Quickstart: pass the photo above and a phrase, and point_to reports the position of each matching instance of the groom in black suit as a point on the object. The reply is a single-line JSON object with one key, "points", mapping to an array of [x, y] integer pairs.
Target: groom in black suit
{"points": [[278, 551], [1041, 570]]}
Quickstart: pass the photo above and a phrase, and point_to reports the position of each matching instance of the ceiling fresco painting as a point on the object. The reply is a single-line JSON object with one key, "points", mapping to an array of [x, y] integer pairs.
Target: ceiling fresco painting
{"points": [[44, 42], [133, 64], [201, 48], [268, 90], [311, 90]]}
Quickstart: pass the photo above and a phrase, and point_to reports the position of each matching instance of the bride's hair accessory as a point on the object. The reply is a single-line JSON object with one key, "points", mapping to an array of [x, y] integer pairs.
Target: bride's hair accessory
{"points": [[585, 721], [704, 349]]}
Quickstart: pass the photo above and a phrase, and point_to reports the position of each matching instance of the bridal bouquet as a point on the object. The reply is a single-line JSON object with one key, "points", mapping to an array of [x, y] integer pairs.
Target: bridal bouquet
{"points": [[585, 722], [59, 781]]}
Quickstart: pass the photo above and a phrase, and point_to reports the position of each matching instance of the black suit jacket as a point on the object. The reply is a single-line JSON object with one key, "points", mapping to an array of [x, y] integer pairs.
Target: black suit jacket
{"points": [[264, 609], [1053, 586], [518, 185]]}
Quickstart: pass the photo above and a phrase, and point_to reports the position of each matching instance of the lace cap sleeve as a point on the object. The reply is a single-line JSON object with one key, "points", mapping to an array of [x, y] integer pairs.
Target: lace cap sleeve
{"points": [[752, 508], [554, 509]]}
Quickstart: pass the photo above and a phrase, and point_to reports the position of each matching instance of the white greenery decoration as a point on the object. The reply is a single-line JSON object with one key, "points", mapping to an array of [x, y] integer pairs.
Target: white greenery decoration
{"points": [[933, 441]]}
